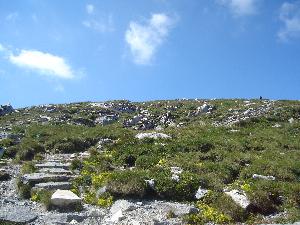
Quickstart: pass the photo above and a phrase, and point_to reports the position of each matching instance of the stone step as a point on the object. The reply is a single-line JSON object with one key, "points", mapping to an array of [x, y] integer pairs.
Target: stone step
{"points": [[14, 214], [53, 186], [55, 171], [35, 178], [53, 165]]}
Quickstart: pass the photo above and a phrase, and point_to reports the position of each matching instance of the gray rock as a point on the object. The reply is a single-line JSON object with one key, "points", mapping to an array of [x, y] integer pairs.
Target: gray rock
{"points": [[53, 185], [1, 152], [55, 171], [53, 165], [239, 197], [35, 178], [201, 193], [107, 119], [64, 198], [152, 135], [16, 214], [122, 205], [6, 109], [257, 176]]}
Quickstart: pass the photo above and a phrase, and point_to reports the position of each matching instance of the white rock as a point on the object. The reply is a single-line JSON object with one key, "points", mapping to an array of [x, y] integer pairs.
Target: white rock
{"points": [[257, 176], [291, 120], [153, 135], [151, 183], [200, 193], [117, 216], [64, 198], [239, 197], [122, 205]]}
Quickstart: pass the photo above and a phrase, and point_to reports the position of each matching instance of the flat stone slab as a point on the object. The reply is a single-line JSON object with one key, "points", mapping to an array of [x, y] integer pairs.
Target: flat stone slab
{"points": [[55, 171], [239, 197], [35, 178], [64, 198], [53, 165], [16, 214], [53, 185]]}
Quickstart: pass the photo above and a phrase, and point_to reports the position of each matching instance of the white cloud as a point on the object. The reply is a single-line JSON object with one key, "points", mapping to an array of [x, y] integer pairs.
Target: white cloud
{"points": [[241, 7], [45, 63], [90, 8], [144, 39], [2, 49], [290, 16], [12, 16], [102, 25]]}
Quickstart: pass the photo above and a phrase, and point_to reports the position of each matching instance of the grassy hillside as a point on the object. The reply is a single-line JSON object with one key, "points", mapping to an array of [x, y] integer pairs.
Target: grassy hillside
{"points": [[217, 145]]}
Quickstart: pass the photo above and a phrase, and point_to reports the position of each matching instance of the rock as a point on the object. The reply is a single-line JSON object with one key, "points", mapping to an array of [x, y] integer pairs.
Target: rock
{"points": [[153, 135], [53, 165], [117, 216], [4, 176], [176, 171], [291, 120], [201, 193], [257, 176], [101, 191], [35, 178], [107, 119], [6, 109], [1, 152], [55, 171], [150, 183], [64, 198], [122, 205], [14, 214], [53, 185], [239, 197]]}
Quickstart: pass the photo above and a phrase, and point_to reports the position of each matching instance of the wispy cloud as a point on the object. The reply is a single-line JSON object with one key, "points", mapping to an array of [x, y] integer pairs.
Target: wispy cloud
{"points": [[290, 16], [145, 38], [240, 7], [99, 23], [2, 49], [90, 8], [12, 16], [44, 63]]}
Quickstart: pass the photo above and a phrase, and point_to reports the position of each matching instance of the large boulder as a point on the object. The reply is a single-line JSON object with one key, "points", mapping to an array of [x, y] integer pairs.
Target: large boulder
{"points": [[6, 109], [65, 199]]}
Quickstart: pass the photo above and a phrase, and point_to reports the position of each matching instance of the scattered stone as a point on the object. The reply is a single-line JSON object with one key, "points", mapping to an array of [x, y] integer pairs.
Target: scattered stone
{"points": [[53, 165], [201, 193], [55, 170], [107, 119], [64, 198], [4, 176], [257, 176], [150, 183], [53, 185], [122, 205], [153, 135], [239, 197], [14, 214], [1, 152], [35, 178], [291, 120]]}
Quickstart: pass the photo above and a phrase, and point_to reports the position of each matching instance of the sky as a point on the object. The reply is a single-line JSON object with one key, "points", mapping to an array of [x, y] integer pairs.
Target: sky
{"points": [[54, 51]]}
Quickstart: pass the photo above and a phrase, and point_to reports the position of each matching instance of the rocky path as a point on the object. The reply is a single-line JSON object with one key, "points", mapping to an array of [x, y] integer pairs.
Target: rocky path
{"points": [[53, 173]]}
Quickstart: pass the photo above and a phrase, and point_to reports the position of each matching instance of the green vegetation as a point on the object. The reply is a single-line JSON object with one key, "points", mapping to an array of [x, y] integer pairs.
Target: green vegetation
{"points": [[213, 157]]}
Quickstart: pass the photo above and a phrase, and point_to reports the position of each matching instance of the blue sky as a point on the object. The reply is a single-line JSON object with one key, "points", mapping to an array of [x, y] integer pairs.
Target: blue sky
{"points": [[55, 51]]}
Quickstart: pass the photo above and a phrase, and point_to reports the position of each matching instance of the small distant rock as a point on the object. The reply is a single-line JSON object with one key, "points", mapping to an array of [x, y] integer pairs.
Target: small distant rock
{"points": [[291, 120], [152, 135], [1, 152], [64, 198], [257, 176], [201, 193]]}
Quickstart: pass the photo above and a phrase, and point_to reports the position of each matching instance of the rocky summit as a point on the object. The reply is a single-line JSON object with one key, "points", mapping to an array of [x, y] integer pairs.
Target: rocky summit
{"points": [[183, 161]]}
